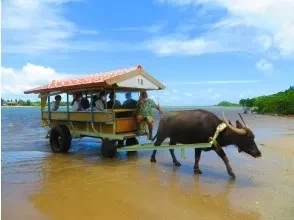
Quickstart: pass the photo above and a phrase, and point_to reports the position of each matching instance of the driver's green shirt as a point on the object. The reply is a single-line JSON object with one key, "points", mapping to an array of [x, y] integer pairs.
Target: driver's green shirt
{"points": [[145, 108]]}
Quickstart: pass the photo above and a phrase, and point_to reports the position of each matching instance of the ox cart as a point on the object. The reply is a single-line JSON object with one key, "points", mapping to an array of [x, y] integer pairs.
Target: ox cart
{"points": [[116, 127]]}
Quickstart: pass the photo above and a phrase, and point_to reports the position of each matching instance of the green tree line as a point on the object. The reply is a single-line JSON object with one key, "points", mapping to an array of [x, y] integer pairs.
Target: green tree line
{"points": [[228, 104], [279, 103]]}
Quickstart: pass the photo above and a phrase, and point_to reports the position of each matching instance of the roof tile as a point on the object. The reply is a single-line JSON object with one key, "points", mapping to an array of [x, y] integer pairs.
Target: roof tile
{"points": [[85, 79]]}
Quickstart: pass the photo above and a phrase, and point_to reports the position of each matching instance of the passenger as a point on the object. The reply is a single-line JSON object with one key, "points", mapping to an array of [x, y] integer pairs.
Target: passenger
{"points": [[100, 102], [129, 103], [55, 104], [76, 103], [144, 112], [94, 99], [85, 104], [113, 103]]}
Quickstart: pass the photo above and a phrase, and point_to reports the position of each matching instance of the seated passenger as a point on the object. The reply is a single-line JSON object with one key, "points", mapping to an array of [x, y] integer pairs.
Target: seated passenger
{"points": [[113, 103], [129, 103], [144, 112], [94, 99], [85, 104], [54, 105], [76, 103], [100, 102]]}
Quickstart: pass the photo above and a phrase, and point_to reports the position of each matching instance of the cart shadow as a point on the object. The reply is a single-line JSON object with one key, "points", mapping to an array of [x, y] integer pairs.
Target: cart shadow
{"points": [[89, 148]]}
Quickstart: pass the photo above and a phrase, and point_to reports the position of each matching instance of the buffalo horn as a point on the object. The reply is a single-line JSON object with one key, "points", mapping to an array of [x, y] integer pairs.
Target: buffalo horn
{"points": [[240, 131], [242, 119]]}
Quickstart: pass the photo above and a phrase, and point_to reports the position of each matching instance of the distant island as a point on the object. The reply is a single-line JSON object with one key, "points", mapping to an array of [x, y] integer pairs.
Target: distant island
{"points": [[228, 104], [281, 103]]}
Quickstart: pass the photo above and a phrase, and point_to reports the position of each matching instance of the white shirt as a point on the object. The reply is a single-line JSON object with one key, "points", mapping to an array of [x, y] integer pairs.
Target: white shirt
{"points": [[54, 106], [99, 105], [76, 106]]}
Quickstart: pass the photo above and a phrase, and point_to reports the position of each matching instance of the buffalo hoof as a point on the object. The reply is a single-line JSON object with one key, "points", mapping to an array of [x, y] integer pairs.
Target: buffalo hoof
{"points": [[197, 171], [177, 163], [153, 160], [232, 175]]}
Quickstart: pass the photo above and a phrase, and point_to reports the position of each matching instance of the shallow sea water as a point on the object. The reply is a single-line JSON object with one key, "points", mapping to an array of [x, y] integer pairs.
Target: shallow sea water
{"points": [[37, 184]]}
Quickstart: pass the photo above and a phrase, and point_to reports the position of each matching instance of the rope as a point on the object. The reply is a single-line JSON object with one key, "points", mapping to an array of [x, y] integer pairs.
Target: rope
{"points": [[212, 140]]}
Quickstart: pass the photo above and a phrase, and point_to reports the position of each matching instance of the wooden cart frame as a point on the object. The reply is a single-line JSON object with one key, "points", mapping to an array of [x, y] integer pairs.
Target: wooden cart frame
{"points": [[113, 126]]}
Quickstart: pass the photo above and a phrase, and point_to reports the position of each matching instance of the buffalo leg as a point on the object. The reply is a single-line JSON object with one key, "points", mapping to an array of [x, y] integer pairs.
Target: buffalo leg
{"points": [[197, 159], [158, 142], [153, 156], [220, 152], [175, 161], [172, 153]]}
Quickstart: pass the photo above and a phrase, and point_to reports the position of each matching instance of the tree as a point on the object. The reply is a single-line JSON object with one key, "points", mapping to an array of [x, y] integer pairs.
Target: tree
{"points": [[279, 103], [28, 103], [247, 104]]}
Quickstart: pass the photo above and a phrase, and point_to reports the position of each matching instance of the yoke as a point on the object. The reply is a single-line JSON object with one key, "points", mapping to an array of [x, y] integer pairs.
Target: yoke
{"points": [[182, 147]]}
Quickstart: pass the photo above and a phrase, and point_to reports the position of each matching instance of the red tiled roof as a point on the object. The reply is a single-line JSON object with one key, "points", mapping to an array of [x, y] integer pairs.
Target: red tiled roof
{"points": [[82, 80]]}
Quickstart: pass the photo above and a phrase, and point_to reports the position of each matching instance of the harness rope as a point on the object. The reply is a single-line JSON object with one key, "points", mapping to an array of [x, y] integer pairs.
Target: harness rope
{"points": [[220, 128]]}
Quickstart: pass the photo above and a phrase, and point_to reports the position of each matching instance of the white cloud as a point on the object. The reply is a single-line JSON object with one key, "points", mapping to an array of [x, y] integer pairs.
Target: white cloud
{"points": [[37, 26], [15, 81], [152, 29], [209, 89], [178, 2], [186, 46], [175, 91], [188, 94], [264, 65], [212, 82], [253, 26]]}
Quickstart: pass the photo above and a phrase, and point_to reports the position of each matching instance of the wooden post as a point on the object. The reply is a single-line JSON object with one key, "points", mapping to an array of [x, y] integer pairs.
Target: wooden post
{"points": [[49, 110], [67, 106]]}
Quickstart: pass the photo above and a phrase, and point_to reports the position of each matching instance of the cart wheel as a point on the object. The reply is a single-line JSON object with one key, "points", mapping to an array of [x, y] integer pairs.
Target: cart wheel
{"points": [[120, 143], [60, 139], [108, 148], [130, 142]]}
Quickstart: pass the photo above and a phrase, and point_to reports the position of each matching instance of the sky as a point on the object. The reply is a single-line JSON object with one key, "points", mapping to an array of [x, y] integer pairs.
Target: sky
{"points": [[203, 51]]}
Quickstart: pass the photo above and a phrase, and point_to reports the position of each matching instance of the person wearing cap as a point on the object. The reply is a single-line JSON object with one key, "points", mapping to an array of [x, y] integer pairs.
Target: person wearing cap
{"points": [[129, 103], [144, 112], [113, 103]]}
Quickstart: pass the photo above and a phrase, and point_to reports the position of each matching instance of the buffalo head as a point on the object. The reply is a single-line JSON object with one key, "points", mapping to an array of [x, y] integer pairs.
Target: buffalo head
{"points": [[243, 138]]}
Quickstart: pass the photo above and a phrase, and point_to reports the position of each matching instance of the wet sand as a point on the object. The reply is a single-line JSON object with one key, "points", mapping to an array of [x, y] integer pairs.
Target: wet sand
{"points": [[82, 185]]}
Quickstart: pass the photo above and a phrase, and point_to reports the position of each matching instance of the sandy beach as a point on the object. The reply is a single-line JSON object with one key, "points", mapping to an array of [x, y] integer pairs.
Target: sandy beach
{"points": [[37, 184]]}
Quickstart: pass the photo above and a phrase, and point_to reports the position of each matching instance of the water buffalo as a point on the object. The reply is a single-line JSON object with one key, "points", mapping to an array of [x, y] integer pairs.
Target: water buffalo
{"points": [[197, 126]]}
